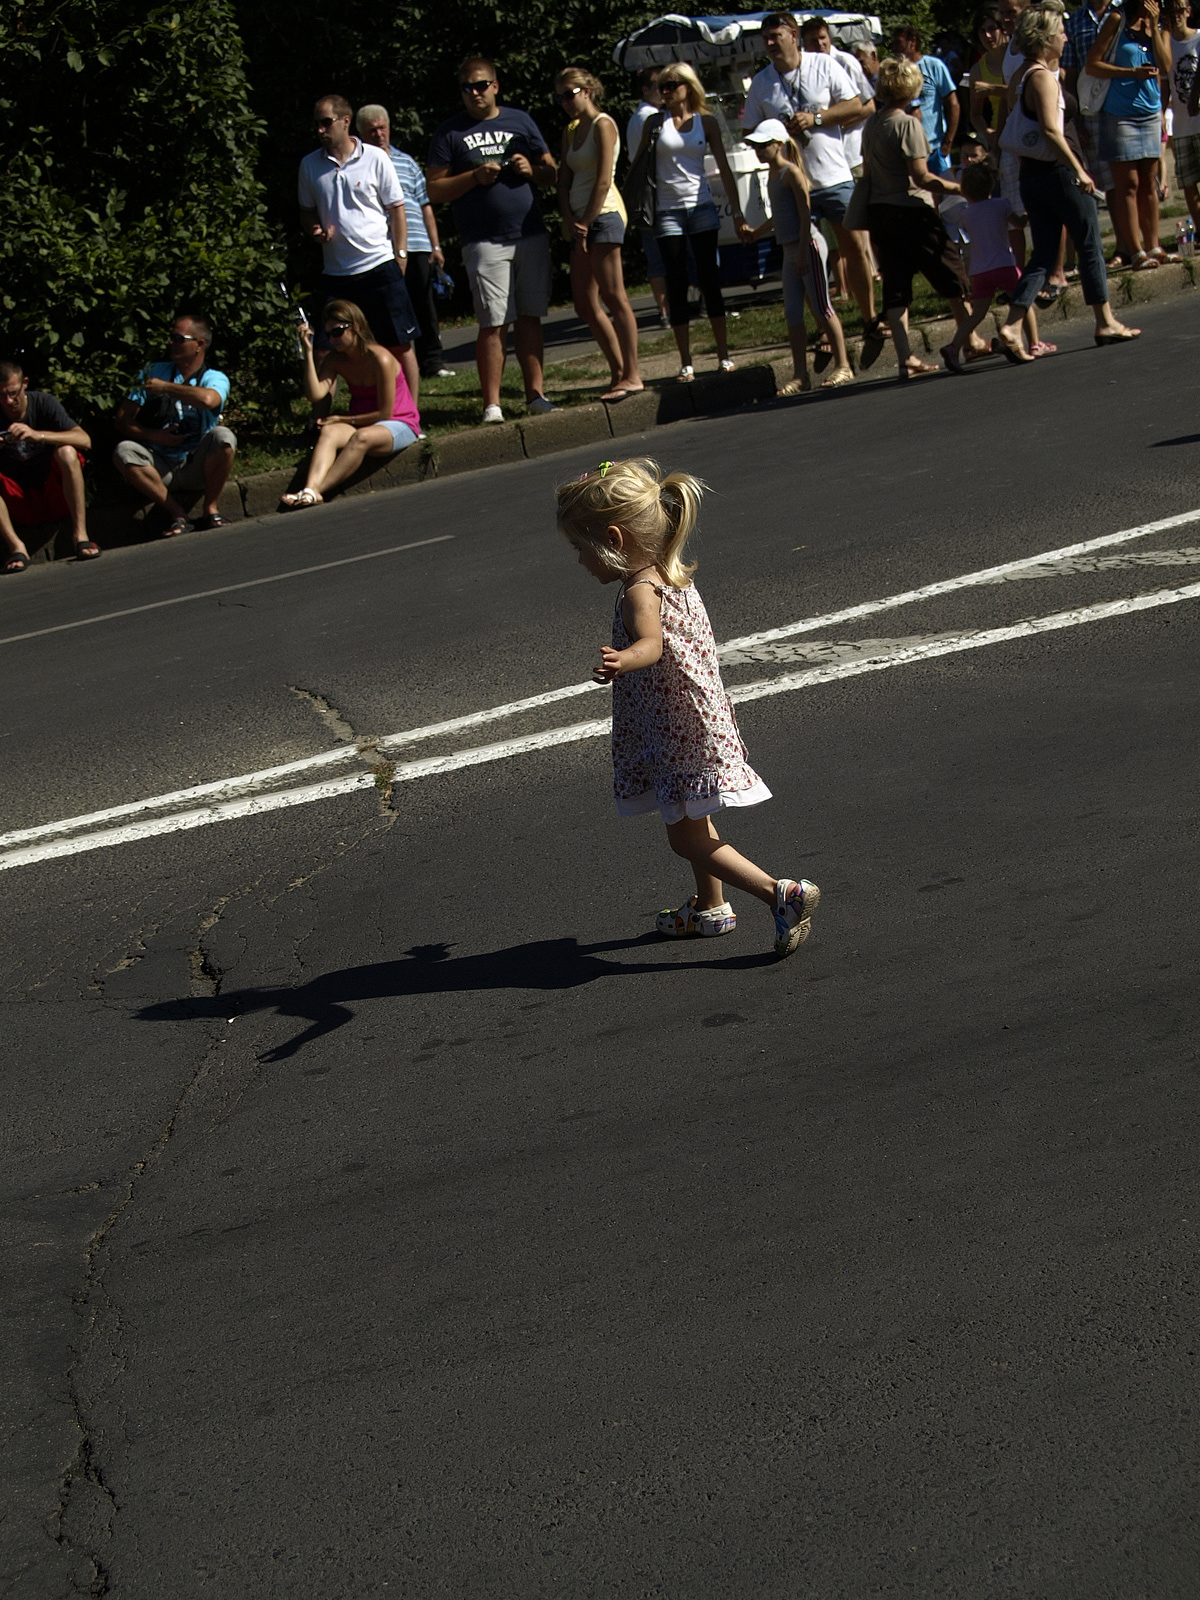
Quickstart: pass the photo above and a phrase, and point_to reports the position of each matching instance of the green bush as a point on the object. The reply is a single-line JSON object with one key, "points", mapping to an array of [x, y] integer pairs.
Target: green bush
{"points": [[131, 193]]}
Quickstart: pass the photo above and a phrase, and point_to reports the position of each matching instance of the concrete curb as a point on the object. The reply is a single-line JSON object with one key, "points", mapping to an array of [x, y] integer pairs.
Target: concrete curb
{"points": [[598, 423]]}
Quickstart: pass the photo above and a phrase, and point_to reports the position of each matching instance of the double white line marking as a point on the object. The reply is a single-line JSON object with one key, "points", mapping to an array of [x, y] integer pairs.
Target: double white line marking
{"points": [[256, 793]]}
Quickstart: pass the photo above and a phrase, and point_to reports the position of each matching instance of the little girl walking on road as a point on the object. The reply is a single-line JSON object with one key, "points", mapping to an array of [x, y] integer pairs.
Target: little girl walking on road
{"points": [[676, 745]]}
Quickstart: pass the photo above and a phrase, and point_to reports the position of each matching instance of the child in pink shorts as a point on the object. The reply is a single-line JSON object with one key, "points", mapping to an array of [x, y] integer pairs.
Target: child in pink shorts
{"points": [[983, 223]]}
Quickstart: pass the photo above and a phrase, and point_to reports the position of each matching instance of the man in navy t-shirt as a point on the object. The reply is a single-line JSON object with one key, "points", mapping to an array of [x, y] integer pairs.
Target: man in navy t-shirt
{"points": [[487, 162]]}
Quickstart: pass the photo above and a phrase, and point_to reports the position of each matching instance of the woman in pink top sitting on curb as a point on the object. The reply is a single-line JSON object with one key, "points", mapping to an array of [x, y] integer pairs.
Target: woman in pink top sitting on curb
{"points": [[383, 419]]}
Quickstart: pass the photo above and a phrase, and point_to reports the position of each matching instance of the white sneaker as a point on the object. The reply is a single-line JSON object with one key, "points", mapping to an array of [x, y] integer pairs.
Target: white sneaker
{"points": [[539, 406], [493, 414], [445, 372]]}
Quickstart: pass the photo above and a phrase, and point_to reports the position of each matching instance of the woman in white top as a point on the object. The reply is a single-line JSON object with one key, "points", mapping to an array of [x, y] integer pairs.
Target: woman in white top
{"points": [[686, 132], [593, 223]]}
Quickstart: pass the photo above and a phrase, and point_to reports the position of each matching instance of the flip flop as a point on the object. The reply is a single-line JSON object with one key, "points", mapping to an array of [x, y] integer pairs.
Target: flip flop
{"points": [[1113, 336], [615, 396], [180, 525], [87, 550], [215, 520], [1019, 358], [1042, 348], [16, 561]]}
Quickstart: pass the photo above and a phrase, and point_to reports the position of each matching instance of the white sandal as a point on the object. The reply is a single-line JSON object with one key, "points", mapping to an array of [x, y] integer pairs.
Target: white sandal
{"points": [[688, 923], [728, 365], [301, 501], [687, 374]]}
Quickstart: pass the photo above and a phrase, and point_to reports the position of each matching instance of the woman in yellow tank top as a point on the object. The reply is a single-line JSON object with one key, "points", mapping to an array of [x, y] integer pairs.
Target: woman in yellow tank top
{"points": [[987, 80], [593, 221]]}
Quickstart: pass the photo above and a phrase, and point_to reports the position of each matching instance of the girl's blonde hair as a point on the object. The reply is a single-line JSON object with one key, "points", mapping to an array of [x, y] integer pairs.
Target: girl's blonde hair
{"points": [[1036, 26], [696, 98], [580, 78], [656, 514], [899, 81]]}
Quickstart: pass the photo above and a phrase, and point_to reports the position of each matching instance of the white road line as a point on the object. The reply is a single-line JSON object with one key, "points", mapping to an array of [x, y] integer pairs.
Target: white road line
{"points": [[407, 772], [230, 788], [969, 580], [207, 594]]}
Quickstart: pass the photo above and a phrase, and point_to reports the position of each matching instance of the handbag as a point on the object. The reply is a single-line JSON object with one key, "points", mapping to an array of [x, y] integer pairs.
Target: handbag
{"points": [[1093, 92], [640, 189]]}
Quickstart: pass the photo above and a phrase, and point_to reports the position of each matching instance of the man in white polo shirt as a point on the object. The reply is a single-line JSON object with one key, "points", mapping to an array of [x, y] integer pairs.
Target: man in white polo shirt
{"points": [[352, 202], [813, 96]]}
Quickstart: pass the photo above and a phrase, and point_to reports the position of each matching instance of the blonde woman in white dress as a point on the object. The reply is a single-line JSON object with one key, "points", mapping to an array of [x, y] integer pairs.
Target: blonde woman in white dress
{"points": [[593, 223]]}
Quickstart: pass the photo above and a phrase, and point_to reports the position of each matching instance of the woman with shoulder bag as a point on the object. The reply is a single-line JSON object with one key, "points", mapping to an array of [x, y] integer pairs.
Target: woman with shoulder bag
{"points": [[1055, 190], [686, 212], [1131, 121], [593, 223]]}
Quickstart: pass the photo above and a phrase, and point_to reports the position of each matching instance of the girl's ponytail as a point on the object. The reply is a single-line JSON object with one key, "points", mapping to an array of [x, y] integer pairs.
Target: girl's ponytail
{"points": [[679, 495], [656, 515], [793, 154]]}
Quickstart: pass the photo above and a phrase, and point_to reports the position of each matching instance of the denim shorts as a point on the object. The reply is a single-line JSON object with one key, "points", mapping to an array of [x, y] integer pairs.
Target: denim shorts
{"points": [[608, 228], [829, 205], [1122, 139], [703, 218], [402, 434]]}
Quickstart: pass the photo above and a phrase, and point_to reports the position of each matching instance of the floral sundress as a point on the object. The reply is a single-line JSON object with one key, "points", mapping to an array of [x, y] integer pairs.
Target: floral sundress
{"points": [[675, 741]]}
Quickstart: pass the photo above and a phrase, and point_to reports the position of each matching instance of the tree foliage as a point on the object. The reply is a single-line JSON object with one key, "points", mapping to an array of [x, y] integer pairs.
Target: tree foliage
{"points": [[130, 193]]}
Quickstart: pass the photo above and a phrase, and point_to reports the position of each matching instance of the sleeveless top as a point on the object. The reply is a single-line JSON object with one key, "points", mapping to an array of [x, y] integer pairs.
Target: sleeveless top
{"points": [[1023, 134], [680, 166], [583, 164], [784, 212], [1134, 99], [365, 397], [993, 101], [674, 734]]}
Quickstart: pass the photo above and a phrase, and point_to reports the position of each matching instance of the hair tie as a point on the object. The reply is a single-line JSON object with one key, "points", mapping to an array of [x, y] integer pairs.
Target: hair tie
{"points": [[587, 471]]}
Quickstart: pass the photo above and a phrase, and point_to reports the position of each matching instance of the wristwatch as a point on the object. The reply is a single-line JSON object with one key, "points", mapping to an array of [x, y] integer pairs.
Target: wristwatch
{"points": [[818, 120], [401, 255]]}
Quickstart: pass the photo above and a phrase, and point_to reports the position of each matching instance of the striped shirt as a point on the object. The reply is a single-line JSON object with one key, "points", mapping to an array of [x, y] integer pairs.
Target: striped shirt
{"points": [[412, 181]]}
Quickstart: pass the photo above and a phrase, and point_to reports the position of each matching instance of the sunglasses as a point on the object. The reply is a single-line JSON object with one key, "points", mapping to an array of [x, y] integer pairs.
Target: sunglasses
{"points": [[670, 83], [568, 94], [182, 338], [325, 122], [338, 329], [476, 85]]}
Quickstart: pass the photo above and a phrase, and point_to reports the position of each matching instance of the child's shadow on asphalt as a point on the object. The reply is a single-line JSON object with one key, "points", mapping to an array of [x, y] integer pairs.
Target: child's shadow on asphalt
{"points": [[431, 969]]}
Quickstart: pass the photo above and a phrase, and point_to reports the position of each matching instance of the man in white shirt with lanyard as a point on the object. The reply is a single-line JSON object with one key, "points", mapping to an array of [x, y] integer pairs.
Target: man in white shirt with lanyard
{"points": [[813, 96]]}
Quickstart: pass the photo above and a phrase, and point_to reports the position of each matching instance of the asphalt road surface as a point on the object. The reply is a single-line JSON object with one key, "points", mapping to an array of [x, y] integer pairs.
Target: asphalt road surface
{"points": [[387, 1211]]}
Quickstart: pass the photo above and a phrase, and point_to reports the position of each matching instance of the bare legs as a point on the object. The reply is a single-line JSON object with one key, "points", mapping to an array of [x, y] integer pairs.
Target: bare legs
{"points": [[340, 450], [1134, 205], [596, 276], [854, 249], [715, 864], [491, 348]]}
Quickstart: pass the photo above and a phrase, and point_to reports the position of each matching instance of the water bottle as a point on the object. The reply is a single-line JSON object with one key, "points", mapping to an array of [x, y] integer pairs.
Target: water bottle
{"points": [[1180, 237], [1189, 238]]}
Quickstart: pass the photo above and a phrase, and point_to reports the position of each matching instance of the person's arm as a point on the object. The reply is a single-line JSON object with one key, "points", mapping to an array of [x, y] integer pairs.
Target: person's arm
{"points": [[980, 92], [572, 229], [317, 385], [641, 612], [1100, 68], [952, 109], [74, 435], [129, 428], [838, 115], [435, 245], [311, 224], [443, 187], [1161, 44], [606, 156], [398, 224], [542, 171], [936, 182], [191, 395], [712, 132]]}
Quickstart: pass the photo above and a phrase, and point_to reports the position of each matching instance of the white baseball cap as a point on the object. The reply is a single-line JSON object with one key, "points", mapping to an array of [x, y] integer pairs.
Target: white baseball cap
{"points": [[772, 131]]}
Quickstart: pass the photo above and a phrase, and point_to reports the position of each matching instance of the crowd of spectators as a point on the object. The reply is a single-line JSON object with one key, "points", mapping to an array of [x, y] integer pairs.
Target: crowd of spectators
{"points": [[870, 178]]}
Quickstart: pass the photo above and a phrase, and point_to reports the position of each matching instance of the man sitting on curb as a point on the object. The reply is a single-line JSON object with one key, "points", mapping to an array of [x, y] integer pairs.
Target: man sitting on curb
{"points": [[172, 433], [41, 469]]}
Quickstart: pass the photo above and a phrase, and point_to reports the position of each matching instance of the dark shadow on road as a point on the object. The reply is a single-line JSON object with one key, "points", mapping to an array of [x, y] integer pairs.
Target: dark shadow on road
{"points": [[431, 969], [1184, 438]]}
